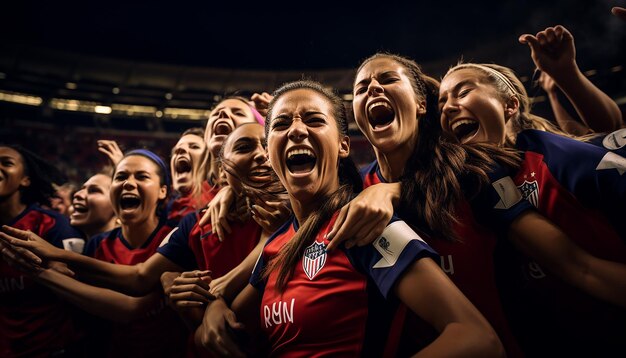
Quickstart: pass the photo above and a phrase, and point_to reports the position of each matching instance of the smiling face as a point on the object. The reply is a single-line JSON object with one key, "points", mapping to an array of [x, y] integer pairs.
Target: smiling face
{"points": [[386, 106], [136, 189], [471, 109], [304, 144], [187, 156], [92, 204], [245, 157], [12, 173], [224, 118]]}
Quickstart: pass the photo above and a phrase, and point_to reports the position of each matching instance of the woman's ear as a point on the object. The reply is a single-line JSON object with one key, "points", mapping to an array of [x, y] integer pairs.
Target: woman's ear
{"points": [[344, 147], [25, 182], [511, 108], [421, 107], [163, 192]]}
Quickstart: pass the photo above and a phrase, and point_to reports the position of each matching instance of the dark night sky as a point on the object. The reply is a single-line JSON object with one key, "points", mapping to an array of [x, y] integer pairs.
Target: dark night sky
{"points": [[306, 35]]}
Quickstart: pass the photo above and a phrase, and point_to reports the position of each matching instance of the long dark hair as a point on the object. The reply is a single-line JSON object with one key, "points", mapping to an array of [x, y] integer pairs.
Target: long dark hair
{"points": [[349, 179], [271, 190], [42, 176], [440, 171]]}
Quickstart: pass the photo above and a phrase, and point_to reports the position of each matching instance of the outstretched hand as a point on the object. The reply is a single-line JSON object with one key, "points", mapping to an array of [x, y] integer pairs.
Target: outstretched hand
{"points": [[29, 245], [552, 50]]}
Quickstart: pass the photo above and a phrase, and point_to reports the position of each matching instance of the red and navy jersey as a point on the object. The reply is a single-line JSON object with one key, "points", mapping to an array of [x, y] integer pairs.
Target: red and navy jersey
{"points": [[181, 206], [33, 321], [197, 247], [580, 188], [112, 247], [469, 262], [160, 332], [337, 303]]}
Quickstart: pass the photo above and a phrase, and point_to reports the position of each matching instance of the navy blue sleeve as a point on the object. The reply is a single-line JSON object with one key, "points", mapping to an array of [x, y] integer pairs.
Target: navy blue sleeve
{"points": [[500, 202], [93, 243], [388, 257], [175, 247], [63, 235]]}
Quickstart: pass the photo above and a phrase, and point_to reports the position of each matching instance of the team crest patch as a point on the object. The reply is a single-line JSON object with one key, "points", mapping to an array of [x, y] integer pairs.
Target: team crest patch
{"points": [[314, 259], [530, 192]]}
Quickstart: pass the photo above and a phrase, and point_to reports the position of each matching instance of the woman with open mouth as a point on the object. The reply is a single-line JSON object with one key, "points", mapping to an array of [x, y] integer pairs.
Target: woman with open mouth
{"points": [[92, 211], [139, 189], [191, 191], [33, 321], [229, 261], [395, 107], [576, 185], [309, 301], [188, 247]]}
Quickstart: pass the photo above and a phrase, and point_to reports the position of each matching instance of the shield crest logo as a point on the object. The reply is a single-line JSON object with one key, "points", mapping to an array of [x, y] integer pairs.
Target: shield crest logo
{"points": [[314, 259], [530, 192]]}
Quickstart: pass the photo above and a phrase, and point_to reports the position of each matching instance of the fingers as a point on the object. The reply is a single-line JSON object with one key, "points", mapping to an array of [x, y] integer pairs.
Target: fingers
{"points": [[191, 289], [17, 233], [337, 227], [17, 243], [620, 12], [17, 259], [366, 236], [206, 218]]}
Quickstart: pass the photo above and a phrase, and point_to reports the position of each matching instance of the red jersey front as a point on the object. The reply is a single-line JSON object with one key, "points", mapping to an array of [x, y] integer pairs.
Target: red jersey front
{"points": [[160, 332], [33, 321], [338, 303]]}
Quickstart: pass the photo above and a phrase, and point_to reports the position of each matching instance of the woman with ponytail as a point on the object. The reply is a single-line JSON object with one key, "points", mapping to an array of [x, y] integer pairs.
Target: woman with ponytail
{"points": [[461, 194], [576, 185], [312, 302]]}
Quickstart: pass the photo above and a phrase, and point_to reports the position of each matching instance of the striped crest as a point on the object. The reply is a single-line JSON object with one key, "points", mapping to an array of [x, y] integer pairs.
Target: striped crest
{"points": [[314, 259]]}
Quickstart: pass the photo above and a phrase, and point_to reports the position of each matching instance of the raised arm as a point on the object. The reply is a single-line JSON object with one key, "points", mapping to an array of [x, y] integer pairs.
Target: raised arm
{"points": [[463, 331], [553, 52], [538, 238], [565, 121]]}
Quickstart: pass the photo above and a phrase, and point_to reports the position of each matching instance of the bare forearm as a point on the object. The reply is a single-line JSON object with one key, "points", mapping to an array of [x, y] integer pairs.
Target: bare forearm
{"points": [[101, 302], [564, 120], [541, 240], [594, 107], [134, 280]]}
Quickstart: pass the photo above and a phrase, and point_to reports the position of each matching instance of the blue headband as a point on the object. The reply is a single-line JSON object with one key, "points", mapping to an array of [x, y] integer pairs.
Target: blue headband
{"points": [[155, 158]]}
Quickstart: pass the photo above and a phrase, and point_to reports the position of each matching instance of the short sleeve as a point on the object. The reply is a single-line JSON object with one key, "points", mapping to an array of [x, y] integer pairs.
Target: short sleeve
{"points": [[175, 247], [388, 257]]}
